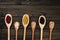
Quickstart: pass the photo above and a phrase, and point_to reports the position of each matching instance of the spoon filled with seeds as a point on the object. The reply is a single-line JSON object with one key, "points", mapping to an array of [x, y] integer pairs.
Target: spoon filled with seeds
{"points": [[42, 23], [8, 22], [25, 22]]}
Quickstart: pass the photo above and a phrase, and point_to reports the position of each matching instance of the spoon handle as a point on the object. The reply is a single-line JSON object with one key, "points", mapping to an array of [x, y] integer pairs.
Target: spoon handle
{"points": [[24, 34], [32, 35], [16, 34], [50, 34], [41, 34], [8, 33]]}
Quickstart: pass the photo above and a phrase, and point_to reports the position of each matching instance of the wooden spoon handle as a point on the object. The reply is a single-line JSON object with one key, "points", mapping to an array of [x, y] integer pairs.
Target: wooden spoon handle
{"points": [[24, 34], [16, 34], [32, 35], [41, 34], [8, 33], [50, 34]]}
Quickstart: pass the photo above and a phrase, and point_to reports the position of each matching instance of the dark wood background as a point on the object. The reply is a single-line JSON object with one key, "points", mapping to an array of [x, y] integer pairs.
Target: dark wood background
{"points": [[35, 8]]}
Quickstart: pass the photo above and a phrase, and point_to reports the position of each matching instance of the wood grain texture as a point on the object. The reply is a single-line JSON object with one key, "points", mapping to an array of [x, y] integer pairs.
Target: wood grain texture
{"points": [[34, 11]]}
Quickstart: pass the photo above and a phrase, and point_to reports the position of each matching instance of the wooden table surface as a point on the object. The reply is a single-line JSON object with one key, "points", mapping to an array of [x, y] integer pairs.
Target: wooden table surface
{"points": [[17, 11]]}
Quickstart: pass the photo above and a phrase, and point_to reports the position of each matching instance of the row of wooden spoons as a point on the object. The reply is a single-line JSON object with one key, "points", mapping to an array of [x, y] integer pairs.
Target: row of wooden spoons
{"points": [[25, 22]]}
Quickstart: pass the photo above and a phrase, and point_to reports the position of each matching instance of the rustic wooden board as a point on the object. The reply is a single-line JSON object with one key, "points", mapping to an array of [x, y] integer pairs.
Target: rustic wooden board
{"points": [[17, 11]]}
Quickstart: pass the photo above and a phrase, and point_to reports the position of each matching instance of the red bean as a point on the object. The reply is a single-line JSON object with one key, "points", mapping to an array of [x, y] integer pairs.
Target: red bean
{"points": [[8, 19]]}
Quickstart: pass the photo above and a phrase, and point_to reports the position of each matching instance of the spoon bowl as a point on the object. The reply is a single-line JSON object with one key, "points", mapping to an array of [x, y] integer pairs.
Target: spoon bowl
{"points": [[33, 25], [16, 25], [25, 20], [42, 21], [8, 20], [51, 24]]}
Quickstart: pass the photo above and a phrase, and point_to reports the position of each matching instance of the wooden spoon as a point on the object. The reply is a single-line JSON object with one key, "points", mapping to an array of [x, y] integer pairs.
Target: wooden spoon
{"points": [[16, 25], [33, 26], [25, 22], [51, 26], [42, 22], [8, 21]]}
